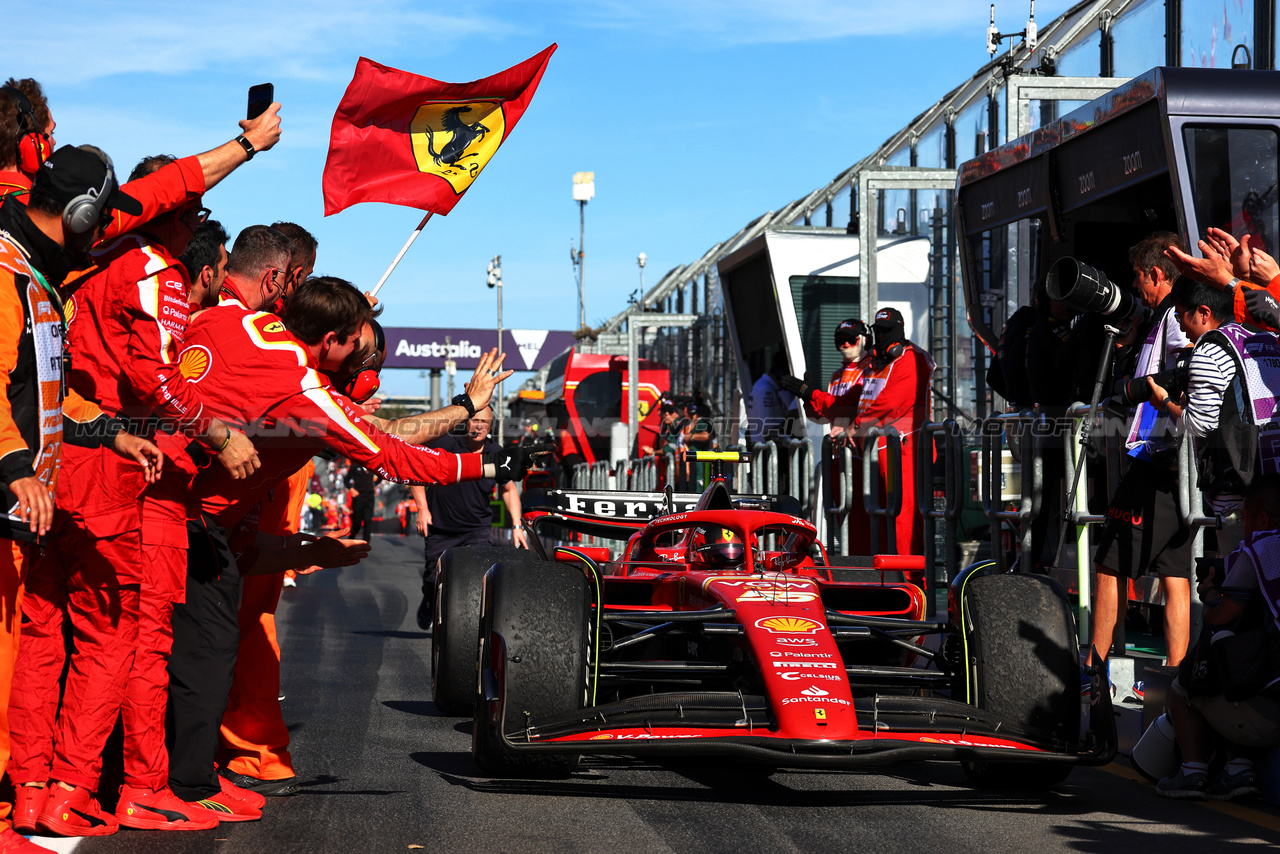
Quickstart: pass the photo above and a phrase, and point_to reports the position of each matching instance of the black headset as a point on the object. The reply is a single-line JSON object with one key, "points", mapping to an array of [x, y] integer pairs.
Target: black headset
{"points": [[84, 212]]}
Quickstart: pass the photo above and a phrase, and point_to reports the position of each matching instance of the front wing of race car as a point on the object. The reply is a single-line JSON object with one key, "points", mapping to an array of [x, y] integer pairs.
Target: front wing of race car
{"points": [[736, 726]]}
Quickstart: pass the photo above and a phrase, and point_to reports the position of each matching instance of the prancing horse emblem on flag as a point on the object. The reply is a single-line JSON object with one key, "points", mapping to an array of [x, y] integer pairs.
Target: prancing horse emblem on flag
{"points": [[455, 140]]}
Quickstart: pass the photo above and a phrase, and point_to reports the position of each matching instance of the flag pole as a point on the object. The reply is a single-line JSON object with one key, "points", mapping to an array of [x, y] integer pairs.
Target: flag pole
{"points": [[403, 249]]}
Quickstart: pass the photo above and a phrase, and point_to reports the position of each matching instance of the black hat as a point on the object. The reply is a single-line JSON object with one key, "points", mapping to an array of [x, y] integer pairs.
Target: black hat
{"points": [[888, 318], [850, 329], [71, 172]]}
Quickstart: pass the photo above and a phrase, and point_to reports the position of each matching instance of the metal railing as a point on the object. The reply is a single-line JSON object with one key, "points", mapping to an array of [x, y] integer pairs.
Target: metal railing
{"points": [[763, 473], [1028, 426], [883, 503], [955, 487], [836, 494], [800, 465]]}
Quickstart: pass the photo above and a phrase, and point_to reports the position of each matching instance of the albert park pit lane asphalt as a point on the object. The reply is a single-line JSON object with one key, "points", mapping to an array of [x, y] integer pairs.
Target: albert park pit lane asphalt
{"points": [[381, 771]]}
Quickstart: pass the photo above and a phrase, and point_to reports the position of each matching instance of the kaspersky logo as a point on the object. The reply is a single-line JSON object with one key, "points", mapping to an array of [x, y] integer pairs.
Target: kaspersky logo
{"points": [[788, 625]]}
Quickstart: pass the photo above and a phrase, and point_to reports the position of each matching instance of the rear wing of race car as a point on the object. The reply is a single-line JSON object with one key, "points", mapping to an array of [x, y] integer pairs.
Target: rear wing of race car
{"points": [[618, 515]]}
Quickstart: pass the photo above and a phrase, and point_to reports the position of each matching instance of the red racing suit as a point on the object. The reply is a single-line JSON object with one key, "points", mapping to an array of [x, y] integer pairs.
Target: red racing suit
{"points": [[255, 376], [163, 190], [126, 326], [896, 394], [839, 405]]}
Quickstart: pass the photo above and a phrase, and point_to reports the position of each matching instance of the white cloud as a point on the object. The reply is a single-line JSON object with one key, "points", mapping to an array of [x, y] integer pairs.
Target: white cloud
{"points": [[67, 44]]}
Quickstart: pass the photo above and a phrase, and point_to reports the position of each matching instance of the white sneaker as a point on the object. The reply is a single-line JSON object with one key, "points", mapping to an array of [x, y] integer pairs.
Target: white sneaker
{"points": [[289, 582]]}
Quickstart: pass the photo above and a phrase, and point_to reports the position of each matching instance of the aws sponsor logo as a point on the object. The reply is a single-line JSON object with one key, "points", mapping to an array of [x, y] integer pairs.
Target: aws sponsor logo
{"points": [[796, 641], [788, 625]]}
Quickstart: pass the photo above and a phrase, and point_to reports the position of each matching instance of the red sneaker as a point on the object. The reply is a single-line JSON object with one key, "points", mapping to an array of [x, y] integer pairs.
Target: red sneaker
{"points": [[144, 809], [253, 799], [12, 842], [75, 813], [229, 808], [28, 802]]}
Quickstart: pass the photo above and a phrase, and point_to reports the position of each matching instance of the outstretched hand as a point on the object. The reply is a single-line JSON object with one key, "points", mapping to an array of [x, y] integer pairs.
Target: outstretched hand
{"points": [[486, 378]]}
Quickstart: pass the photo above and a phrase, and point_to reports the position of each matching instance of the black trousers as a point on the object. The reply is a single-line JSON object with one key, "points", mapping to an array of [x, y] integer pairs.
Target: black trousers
{"points": [[206, 635], [362, 518], [439, 541]]}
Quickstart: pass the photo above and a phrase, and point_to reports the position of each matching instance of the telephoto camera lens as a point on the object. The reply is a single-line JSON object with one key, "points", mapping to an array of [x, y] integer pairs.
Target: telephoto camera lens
{"points": [[1088, 290]]}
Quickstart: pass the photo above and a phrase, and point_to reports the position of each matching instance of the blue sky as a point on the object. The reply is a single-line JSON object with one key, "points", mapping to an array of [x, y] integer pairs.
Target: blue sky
{"points": [[695, 116]]}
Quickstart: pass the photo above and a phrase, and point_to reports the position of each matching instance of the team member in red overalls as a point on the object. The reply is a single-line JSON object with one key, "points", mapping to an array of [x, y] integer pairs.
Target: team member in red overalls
{"points": [[128, 322], [26, 141], [67, 208], [260, 372], [895, 393], [839, 405]]}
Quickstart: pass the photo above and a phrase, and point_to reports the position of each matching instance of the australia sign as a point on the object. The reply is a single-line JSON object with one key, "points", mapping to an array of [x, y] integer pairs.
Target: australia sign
{"points": [[526, 349]]}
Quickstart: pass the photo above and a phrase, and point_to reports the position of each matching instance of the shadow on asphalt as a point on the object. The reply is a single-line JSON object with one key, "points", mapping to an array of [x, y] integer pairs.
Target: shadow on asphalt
{"points": [[393, 633], [425, 708], [758, 786], [308, 787]]}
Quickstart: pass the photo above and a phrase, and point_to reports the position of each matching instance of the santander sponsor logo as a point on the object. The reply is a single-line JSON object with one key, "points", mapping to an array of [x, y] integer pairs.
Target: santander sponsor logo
{"points": [[815, 691]]}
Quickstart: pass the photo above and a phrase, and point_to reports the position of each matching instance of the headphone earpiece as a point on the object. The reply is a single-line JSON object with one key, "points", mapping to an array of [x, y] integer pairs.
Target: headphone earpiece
{"points": [[893, 351], [33, 146], [84, 212], [363, 385]]}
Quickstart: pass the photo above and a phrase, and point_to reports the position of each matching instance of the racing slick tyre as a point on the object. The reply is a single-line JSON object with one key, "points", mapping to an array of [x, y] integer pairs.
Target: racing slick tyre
{"points": [[534, 638], [455, 624], [1024, 666]]}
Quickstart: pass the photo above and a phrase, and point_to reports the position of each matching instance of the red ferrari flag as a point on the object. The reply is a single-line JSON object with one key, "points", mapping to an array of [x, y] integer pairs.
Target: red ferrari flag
{"points": [[409, 140]]}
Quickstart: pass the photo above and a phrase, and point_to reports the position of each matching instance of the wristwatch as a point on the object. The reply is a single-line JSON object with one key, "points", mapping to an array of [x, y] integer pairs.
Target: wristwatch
{"points": [[1231, 285], [246, 145], [465, 402]]}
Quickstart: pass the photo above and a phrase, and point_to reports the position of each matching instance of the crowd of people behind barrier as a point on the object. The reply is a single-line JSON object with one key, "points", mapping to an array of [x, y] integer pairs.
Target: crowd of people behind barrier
{"points": [[1196, 354], [163, 399]]}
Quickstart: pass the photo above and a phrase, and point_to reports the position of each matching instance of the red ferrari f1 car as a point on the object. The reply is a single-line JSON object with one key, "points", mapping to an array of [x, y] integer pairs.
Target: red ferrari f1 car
{"points": [[723, 629]]}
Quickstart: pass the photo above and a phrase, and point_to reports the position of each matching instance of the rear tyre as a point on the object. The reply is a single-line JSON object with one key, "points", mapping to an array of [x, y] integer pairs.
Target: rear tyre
{"points": [[455, 624], [1024, 667], [533, 661]]}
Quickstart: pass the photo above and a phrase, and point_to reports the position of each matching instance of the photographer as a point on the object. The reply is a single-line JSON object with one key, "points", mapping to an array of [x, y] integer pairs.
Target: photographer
{"points": [[1144, 530], [1219, 410], [1226, 690]]}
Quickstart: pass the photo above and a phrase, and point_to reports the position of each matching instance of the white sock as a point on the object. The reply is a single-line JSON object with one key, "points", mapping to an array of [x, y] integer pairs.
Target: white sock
{"points": [[1237, 766], [1193, 767]]}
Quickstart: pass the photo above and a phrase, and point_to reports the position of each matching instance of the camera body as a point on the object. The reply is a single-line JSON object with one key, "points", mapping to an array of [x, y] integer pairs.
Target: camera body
{"points": [[1133, 391]]}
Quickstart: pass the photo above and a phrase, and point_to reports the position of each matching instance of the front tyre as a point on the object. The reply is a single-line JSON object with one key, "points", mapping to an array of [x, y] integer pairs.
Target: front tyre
{"points": [[533, 655]]}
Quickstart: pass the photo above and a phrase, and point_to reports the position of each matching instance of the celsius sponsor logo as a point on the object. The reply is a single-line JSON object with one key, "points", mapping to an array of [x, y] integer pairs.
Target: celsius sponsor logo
{"points": [[786, 653], [796, 641], [806, 665], [815, 691], [786, 701], [796, 676], [788, 625]]}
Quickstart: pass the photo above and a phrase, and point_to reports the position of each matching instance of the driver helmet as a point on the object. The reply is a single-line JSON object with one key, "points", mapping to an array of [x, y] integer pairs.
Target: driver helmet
{"points": [[718, 547]]}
